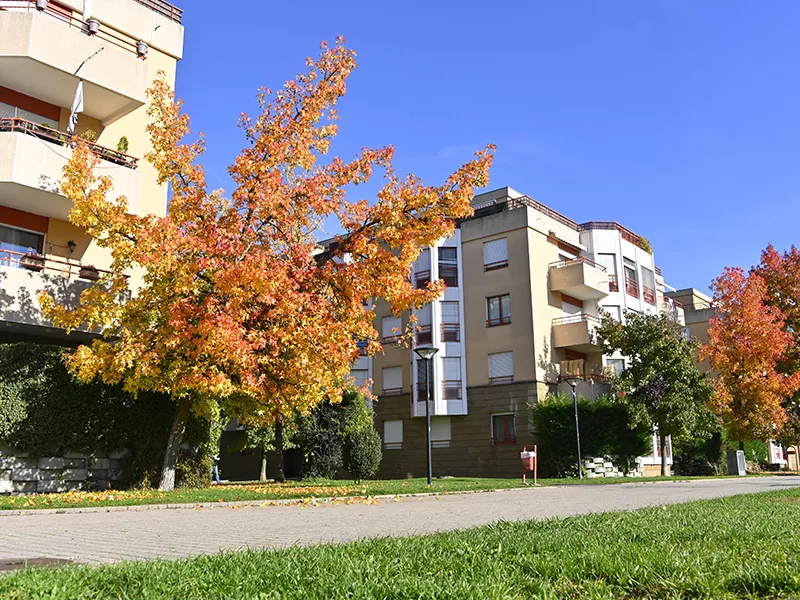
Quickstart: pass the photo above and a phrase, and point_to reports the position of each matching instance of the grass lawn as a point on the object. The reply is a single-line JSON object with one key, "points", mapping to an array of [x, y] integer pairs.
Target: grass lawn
{"points": [[239, 492], [740, 547]]}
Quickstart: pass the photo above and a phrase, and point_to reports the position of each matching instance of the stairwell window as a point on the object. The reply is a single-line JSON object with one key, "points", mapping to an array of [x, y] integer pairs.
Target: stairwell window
{"points": [[392, 381], [504, 429], [448, 266], [498, 310], [451, 330], [495, 254]]}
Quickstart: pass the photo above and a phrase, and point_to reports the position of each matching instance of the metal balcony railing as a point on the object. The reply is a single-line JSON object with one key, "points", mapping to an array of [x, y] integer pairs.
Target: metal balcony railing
{"points": [[449, 274], [165, 9], [451, 389], [577, 318], [649, 295], [451, 332], [613, 283], [51, 266], [54, 136], [421, 279], [580, 259], [424, 334], [632, 287]]}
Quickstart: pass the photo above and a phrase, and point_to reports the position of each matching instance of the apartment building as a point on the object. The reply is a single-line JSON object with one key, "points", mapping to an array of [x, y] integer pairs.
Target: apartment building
{"points": [[525, 290], [115, 48]]}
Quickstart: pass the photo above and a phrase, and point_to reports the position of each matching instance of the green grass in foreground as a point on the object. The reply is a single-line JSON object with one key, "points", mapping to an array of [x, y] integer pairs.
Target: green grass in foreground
{"points": [[322, 488], [739, 547]]}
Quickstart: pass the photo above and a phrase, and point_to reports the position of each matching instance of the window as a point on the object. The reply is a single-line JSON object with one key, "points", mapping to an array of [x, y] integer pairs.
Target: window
{"points": [[610, 263], [648, 286], [451, 330], [393, 435], [495, 254], [422, 380], [360, 376], [16, 242], [448, 266], [422, 270], [504, 430], [498, 309], [501, 367], [424, 319], [390, 329], [631, 279], [392, 381], [452, 378], [617, 364], [440, 432]]}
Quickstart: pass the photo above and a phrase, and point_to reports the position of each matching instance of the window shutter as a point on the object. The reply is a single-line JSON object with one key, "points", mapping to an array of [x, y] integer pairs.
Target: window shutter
{"points": [[393, 434], [495, 251], [393, 378], [450, 312], [648, 279], [391, 327], [452, 369], [501, 364], [440, 432]]}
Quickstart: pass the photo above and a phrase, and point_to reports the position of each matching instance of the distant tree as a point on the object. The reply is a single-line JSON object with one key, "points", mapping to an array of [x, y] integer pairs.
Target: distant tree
{"points": [[747, 342], [661, 383]]}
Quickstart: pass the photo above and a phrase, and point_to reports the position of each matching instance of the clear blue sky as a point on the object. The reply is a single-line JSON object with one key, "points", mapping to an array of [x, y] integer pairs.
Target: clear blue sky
{"points": [[678, 119]]}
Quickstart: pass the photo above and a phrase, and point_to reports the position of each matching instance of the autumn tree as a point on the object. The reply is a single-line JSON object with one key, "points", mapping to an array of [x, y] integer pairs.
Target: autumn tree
{"points": [[238, 304], [747, 341], [661, 382], [781, 274]]}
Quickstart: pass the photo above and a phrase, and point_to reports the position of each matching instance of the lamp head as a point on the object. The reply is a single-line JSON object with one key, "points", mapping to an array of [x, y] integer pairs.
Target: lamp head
{"points": [[425, 353]]}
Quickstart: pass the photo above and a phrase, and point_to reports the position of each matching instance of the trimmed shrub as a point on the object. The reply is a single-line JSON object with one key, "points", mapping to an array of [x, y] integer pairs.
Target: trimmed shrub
{"points": [[363, 451], [605, 431]]}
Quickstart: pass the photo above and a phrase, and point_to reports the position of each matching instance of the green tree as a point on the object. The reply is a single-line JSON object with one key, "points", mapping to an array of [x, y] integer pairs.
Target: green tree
{"points": [[661, 382]]}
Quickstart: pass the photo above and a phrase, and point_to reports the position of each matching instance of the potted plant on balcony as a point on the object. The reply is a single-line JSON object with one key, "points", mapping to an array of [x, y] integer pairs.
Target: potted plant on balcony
{"points": [[32, 261], [93, 25], [41, 4], [89, 272]]}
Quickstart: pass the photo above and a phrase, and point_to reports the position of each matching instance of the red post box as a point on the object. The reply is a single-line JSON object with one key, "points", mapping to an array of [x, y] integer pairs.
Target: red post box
{"points": [[529, 460]]}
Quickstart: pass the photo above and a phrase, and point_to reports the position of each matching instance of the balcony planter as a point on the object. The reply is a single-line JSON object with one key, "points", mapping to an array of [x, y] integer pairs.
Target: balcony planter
{"points": [[89, 273], [41, 4], [32, 262], [141, 48], [93, 25]]}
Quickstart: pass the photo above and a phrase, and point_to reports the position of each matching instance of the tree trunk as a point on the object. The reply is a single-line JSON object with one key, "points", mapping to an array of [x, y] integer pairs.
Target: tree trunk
{"points": [[279, 477], [741, 446], [167, 481], [664, 465], [262, 476]]}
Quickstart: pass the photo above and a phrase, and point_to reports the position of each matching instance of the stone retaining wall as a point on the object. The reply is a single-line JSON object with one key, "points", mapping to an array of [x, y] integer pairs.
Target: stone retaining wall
{"points": [[606, 466], [21, 473]]}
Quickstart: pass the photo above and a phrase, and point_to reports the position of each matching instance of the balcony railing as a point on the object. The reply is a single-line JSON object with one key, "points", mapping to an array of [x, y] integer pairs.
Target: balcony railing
{"points": [[626, 234], [54, 136], [580, 259], [51, 266], [165, 9], [392, 391], [451, 332], [424, 334], [451, 389], [498, 264], [501, 379], [649, 295], [67, 17], [613, 283], [495, 321], [449, 274], [577, 318], [421, 279], [422, 391], [632, 287]]}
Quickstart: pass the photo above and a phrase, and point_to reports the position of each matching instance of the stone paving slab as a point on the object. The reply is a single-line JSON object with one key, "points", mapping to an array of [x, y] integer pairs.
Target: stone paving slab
{"points": [[100, 537]]}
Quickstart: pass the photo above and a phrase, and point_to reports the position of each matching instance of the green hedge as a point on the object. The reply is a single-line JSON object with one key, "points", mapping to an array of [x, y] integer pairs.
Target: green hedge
{"points": [[605, 431], [45, 412]]}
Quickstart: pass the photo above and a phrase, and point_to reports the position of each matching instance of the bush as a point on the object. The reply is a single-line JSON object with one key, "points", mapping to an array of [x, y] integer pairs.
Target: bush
{"points": [[605, 431], [44, 411], [363, 451], [694, 456]]}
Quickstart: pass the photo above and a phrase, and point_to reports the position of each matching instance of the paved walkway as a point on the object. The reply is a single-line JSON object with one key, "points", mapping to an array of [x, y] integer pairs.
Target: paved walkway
{"points": [[173, 533]]}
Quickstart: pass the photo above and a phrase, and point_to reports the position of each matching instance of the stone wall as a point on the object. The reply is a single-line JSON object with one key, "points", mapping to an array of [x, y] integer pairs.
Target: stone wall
{"points": [[24, 474], [607, 466], [470, 452]]}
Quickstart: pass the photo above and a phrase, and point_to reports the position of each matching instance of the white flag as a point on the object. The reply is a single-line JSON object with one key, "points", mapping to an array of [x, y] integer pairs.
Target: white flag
{"points": [[77, 107]]}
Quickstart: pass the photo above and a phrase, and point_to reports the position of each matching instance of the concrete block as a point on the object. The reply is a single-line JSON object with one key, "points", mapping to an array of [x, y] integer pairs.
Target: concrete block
{"points": [[5, 474], [74, 455], [51, 474], [6, 486], [95, 462], [25, 475], [115, 474], [98, 474], [119, 454], [75, 463], [9, 451], [51, 486], [114, 463], [51, 462], [24, 487], [17, 462], [75, 474]]}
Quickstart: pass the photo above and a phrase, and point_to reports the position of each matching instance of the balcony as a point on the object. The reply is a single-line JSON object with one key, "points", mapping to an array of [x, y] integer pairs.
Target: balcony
{"points": [[631, 287], [23, 277], [39, 53], [577, 332], [580, 278], [32, 159], [649, 295]]}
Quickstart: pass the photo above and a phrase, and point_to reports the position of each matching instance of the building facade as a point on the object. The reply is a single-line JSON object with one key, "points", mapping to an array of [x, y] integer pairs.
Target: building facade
{"points": [[46, 49], [525, 290]]}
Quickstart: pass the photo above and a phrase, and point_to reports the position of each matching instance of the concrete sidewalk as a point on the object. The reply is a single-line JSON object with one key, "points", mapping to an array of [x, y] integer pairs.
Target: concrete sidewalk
{"points": [[131, 535]]}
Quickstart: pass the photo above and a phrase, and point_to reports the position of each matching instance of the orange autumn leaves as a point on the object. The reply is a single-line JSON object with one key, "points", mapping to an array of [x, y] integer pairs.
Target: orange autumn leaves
{"points": [[749, 342], [237, 300]]}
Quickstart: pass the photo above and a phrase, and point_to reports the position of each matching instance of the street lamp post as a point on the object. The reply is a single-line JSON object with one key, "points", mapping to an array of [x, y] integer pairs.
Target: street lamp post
{"points": [[427, 354], [573, 380]]}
